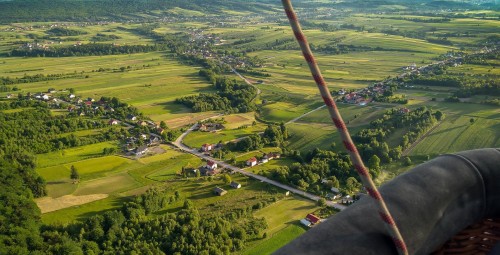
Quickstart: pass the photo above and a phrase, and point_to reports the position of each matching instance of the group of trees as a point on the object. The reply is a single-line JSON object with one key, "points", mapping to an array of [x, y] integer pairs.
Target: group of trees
{"points": [[91, 49], [319, 165], [36, 78], [61, 31], [231, 97], [274, 135], [373, 141], [134, 229], [100, 37]]}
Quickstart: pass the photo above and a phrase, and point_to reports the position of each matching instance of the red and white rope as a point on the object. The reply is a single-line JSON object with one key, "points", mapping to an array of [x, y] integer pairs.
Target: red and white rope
{"points": [[344, 133]]}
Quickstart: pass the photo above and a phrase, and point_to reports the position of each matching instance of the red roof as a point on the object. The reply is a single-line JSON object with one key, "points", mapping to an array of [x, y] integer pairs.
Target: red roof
{"points": [[313, 218], [252, 160], [206, 145], [88, 103], [210, 163]]}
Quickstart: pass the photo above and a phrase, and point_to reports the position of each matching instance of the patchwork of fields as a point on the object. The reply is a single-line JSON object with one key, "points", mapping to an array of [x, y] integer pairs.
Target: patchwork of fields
{"points": [[152, 81]]}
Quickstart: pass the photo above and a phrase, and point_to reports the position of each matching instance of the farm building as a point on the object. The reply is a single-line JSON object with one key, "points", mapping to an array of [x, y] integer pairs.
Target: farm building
{"points": [[131, 117], [211, 165], [235, 185], [313, 218], [207, 147], [220, 192], [404, 110], [160, 130], [305, 223], [272, 155], [141, 150], [252, 162], [209, 169], [310, 220], [211, 127], [154, 140]]}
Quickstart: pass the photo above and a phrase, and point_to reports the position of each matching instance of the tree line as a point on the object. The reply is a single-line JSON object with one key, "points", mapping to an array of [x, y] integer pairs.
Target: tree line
{"points": [[91, 49], [373, 140], [320, 171], [231, 97]]}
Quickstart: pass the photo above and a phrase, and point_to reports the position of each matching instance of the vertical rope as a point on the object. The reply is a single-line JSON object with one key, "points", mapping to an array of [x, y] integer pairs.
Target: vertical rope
{"points": [[344, 133]]}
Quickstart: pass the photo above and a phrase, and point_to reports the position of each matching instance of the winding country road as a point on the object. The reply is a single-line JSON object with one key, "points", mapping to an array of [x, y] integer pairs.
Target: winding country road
{"points": [[178, 143]]}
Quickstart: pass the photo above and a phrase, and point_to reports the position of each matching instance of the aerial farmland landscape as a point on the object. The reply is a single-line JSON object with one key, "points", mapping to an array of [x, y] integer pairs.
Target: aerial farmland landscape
{"points": [[195, 127]]}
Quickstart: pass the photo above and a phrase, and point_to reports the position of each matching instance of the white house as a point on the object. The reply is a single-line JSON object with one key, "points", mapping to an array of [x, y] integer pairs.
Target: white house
{"points": [[252, 162], [206, 147], [235, 185], [211, 165], [305, 222]]}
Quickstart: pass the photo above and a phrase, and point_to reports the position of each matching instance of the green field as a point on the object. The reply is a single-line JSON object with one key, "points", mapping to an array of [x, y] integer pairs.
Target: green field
{"points": [[152, 81], [152, 84], [74, 154], [277, 241], [283, 220], [197, 138], [81, 212], [87, 169], [458, 134], [353, 115], [170, 168]]}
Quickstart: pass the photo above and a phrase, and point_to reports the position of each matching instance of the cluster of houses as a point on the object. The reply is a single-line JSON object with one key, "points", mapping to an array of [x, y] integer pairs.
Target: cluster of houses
{"points": [[412, 69], [208, 147], [209, 169], [253, 161], [221, 192], [131, 144], [205, 41], [363, 96], [403, 111], [311, 220], [38, 45], [211, 127]]}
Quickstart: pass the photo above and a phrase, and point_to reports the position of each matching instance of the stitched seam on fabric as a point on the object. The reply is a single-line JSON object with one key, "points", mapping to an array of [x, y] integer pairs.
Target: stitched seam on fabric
{"points": [[476, 169]]}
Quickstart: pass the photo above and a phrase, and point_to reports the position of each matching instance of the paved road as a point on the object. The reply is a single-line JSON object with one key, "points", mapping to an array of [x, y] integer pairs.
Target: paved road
{"points": [[178, 143], [246, 80]]}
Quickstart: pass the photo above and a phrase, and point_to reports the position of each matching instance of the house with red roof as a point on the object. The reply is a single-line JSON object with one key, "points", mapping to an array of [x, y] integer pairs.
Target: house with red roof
{"points": [[206, 147], [211, 165], [252, 161], [313, 218]]}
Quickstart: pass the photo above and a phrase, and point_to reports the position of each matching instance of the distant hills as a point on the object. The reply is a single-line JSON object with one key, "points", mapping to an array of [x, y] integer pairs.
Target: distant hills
{"points": [[81, 10], [92, 10]]}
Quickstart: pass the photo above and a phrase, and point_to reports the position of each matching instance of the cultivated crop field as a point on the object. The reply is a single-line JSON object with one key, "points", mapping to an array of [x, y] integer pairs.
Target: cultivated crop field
{"points": [[457, 133], [283, 224]]}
